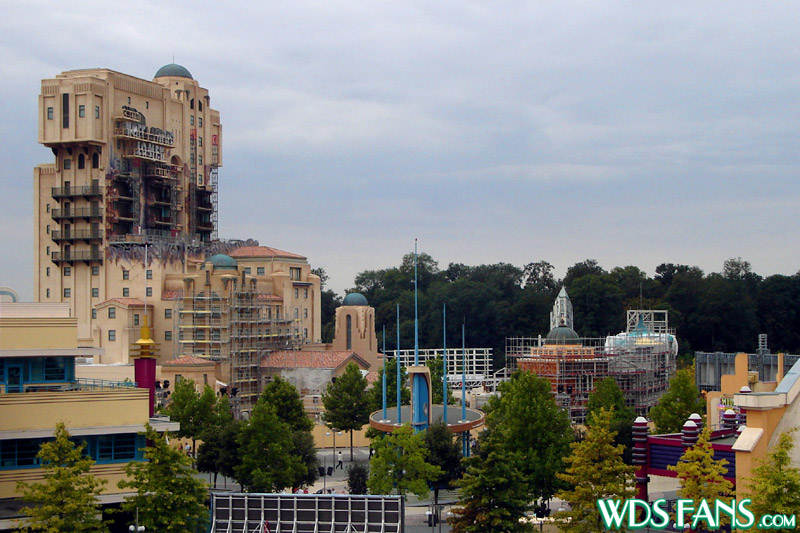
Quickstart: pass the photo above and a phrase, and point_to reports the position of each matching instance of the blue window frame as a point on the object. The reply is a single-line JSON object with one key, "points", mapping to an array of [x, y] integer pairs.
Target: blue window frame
{"points": [[120, 448]]}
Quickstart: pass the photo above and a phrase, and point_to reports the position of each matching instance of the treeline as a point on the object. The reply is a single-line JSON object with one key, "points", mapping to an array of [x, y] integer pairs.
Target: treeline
{"points": [[720, 311]]}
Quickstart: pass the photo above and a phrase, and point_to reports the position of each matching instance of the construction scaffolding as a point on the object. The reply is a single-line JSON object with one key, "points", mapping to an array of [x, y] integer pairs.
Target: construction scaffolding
{"points": [[235, 328], [478, 364], [641, 360]]}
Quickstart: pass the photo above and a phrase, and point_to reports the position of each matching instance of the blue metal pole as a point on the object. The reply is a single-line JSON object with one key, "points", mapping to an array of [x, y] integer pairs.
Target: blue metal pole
{"points": [[465, 448], [444, 360], [397, 366], [416, 317], [384, 372]]}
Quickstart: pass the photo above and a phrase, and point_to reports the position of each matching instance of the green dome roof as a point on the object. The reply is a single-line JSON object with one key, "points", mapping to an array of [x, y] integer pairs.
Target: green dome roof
{"points": [[355, 298], [223, 262], [562, 335], [174, 70]]}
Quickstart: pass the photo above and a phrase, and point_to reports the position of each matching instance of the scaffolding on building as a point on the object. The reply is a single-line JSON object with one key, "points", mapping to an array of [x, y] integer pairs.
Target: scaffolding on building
{"points": [[478, 365], [236, 329], [641, 360]]}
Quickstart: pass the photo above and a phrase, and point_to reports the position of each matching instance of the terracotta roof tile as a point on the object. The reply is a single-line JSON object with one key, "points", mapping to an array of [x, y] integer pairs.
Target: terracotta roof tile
{"points": [[263, 251], [308, 359], [187, 360]]}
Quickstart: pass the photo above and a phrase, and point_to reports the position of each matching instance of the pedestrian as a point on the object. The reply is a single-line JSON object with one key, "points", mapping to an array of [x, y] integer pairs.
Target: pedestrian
{"points": [[340, 464]]}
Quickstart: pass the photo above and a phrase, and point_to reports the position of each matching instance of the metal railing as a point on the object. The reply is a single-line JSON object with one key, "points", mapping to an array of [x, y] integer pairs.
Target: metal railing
{"points": [[80, 384], [81, 255], [77, 234], [77, 212], [80, 190]]}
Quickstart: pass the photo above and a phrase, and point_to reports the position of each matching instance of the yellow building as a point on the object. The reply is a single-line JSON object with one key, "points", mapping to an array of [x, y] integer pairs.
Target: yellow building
{"points": [[128, 209], [38, 388]]}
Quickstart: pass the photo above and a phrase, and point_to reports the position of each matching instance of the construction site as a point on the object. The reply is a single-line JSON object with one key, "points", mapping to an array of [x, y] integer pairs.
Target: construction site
{"points": [[641, 359]]}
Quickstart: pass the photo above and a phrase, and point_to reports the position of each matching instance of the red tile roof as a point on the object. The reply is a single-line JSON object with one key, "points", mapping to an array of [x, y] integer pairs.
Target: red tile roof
{"points": [[187, 360], [309, 359], [372, 377], [263, 251]]}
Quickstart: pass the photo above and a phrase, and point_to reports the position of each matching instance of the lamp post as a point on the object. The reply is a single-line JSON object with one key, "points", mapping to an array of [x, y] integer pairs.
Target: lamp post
{"points": [[137, 527]]}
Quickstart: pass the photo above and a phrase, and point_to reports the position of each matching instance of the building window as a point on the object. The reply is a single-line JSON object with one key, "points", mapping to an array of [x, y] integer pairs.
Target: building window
{"points": [[95, 270], [260, 271], [97, 111], [47, 271], [191, 120], [67, 292], [200, 141], [247, 270], [167, 313], [81, 161], [349, 332], [305, 313], [49, 113], [48, 229], [65, 110], [296, 313], [95, 160], [48, 250], [305, 293], [67, 164], [147, 104], [67, 271], [200, 122], [47, 208], [305, 333], [126, 274], [200, 160], [126, 292], [136, 319], [112, 334], [149, 291], [296, 293], [95, 292], [149, 274], [48, 293], [112, 312], [294, 273], [94, 314], [81, 111], [167, 335]]}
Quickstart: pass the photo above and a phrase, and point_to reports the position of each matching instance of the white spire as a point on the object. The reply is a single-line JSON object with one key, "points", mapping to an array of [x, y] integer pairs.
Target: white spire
{"points": [[561, 315]]}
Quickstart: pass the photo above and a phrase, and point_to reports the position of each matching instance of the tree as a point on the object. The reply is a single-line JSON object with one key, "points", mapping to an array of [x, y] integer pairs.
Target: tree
{"points": [[775, 488], [67, 498], [168, 496], [357, 476], [375, 393], [400, 463], [266, 445], [288, 405], [193, 411], [535, 427], [345, 401], [596, 471], [681, 400], [445, 452], [493, 494], [219, 452], [323, 276], [700, 475], [608, 395]]}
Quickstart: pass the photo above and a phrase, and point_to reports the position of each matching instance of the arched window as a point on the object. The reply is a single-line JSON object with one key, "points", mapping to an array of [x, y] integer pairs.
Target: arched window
{"points": [[81, 161], [349, 332], [95, 160]]}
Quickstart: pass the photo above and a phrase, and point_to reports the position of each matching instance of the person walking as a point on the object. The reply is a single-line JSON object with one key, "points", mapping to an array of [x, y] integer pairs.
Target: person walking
{"points": [[340, 464]]}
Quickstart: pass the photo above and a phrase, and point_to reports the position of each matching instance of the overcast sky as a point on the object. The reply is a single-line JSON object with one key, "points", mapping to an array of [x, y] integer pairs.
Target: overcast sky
{"points": [[629, 132]]}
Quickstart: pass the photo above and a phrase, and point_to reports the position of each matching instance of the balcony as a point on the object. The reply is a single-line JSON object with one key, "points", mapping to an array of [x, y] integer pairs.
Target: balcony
{"points": [[77, 212], [79, 255], [77, 235], [80, 191]]}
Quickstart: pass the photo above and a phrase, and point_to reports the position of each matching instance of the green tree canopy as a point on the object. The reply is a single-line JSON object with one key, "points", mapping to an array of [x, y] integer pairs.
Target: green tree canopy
{"points": [[194, 411], [596, 470], [444, 451], [493, 494], [357, 476], [608, 395], [267, 462], [345, 401], [67, 499], [775, 487], [288, 405], [219, 452], [400, 464], [375, 393], [535, 427], [700, 474], [681, 400], [168, 496]]}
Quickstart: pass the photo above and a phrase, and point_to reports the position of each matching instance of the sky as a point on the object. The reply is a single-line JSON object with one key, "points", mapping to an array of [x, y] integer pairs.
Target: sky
{"points": [[633, 133]]}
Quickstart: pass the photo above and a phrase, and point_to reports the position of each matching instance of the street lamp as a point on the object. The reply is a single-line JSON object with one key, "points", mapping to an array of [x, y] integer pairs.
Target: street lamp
{"points": [[137, 527]]}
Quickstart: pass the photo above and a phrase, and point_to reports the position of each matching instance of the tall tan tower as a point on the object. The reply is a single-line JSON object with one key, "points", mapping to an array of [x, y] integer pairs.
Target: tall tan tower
{"points": [[355, 328], [135, 162]]}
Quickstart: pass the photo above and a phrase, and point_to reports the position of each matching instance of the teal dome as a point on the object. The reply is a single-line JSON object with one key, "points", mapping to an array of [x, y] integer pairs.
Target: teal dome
{"points": [[355, 298], [562, 335], [174, 70], [223, 262]]}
